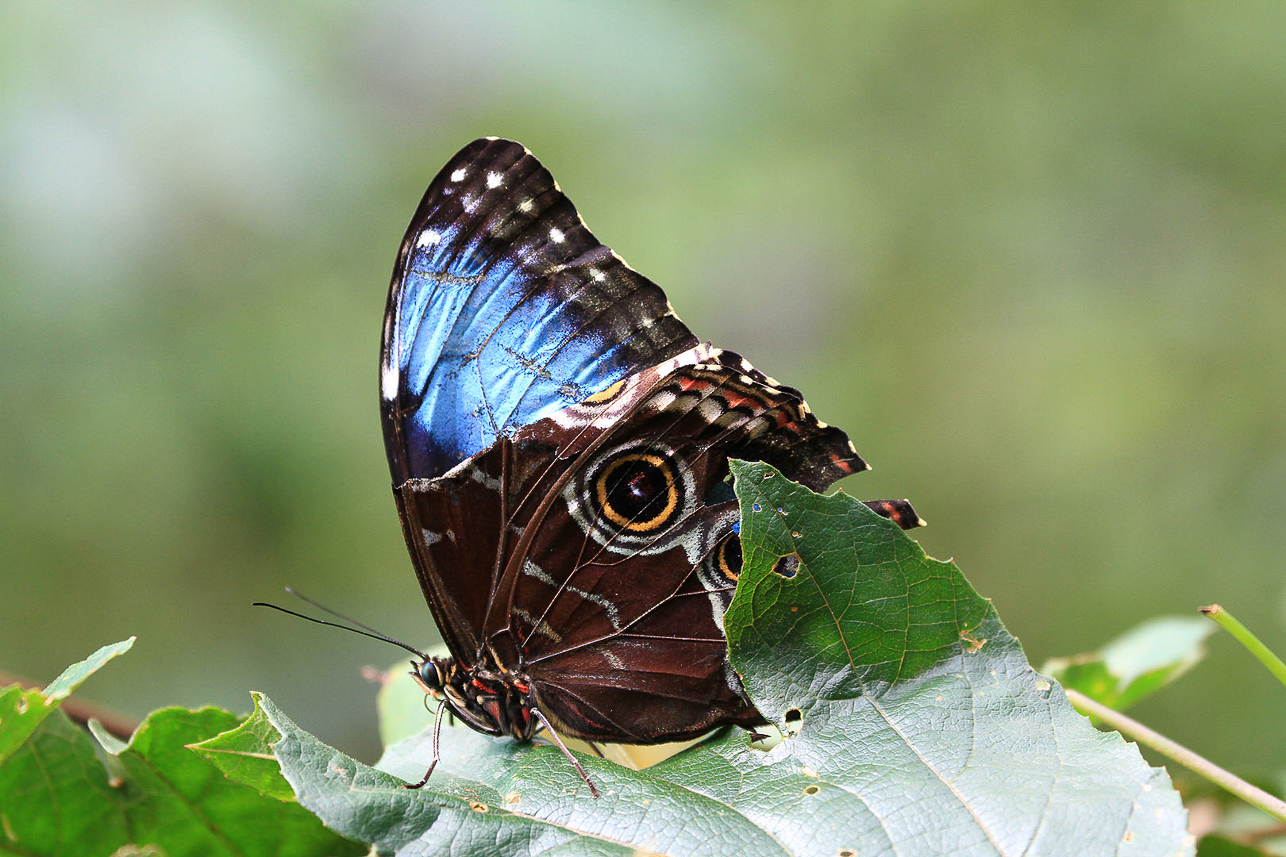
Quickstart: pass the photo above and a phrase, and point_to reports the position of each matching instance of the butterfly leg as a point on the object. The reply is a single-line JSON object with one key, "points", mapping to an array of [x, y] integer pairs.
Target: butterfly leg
{"points": [[437, 734], [568, 753], [594, 747]]}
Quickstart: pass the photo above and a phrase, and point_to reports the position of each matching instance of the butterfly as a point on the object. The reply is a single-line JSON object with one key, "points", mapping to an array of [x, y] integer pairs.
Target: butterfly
{"points": [[558, 442]]}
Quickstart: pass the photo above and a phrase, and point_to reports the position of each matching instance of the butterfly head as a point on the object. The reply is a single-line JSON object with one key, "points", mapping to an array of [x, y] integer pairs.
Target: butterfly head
{"points": [[491, 702], [430, 675]]}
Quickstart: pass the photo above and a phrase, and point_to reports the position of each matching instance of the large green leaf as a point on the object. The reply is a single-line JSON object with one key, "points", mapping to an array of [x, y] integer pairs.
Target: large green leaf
{"points": [[916, 727], [917, 714]]}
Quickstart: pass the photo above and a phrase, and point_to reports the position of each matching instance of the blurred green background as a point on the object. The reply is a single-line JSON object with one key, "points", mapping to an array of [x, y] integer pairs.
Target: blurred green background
{"points": [[1031, 256]]}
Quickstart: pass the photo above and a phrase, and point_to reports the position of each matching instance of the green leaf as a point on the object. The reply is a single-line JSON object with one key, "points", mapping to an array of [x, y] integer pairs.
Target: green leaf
{"points": [[182, 803], [22, 711], [55, 796], [917, 728], [1219, 846], [371, 806], [74, 676], [1139, 662], [244, 754], [919, 720], [58, 798]]}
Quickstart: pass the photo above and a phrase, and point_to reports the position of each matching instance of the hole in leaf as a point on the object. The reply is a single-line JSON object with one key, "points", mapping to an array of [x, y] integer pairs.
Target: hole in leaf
{"points": [[754, 506], [846, 852], [787, 566], [477, 806], [768, 475], [21, 706], [812, 790]]}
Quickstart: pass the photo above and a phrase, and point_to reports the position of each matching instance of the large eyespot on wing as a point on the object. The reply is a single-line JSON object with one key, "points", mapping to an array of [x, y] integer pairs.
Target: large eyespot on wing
{"points": [[628, 498], [503, 309]]}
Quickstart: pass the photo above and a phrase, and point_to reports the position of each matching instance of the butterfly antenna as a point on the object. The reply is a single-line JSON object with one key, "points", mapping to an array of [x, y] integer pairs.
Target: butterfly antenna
{"points": [[364, 630], [568, 753]]}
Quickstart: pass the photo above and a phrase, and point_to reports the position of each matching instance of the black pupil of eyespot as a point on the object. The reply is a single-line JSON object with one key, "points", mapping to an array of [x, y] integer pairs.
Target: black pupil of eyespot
{"points": [[633, 486], [730, 553]]}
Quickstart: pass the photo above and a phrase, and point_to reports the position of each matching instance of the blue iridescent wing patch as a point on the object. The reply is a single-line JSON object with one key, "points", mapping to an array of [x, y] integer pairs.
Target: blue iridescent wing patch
{"points": [[503, 310]]}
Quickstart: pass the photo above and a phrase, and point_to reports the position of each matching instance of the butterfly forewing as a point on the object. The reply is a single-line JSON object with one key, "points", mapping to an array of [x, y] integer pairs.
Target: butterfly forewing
{"points": [[503, 309]]}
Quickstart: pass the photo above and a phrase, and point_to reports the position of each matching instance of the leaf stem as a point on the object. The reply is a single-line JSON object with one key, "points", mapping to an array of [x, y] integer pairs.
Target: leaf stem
{"points": [[1173, 750], [1244, 636]]}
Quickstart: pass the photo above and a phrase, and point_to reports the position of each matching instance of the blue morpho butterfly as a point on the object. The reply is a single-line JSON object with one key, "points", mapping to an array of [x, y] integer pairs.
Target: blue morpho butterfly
{"points": [[558, 441]]}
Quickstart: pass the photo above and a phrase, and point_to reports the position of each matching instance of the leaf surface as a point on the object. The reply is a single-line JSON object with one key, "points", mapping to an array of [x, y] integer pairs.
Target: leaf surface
{"points": [[62, 795], [918, 717]]}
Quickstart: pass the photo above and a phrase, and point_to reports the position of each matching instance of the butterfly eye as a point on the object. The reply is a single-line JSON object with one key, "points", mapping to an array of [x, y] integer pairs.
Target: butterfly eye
{"points": [[430, 675], [638, 491], [727, 556]]}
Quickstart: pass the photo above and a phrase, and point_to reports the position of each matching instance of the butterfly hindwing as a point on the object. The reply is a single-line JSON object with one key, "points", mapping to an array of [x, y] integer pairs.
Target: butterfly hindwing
{"points": [[619, 590]]}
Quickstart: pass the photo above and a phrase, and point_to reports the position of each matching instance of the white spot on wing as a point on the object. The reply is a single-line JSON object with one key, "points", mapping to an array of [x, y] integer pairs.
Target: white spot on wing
{"points": [[525, 206], [427, 237], [389, 378], [710, 410], [459, 174], [543, 628], [477, 474], [613, 616], [494, 179], [661, 400], [556, 235]]}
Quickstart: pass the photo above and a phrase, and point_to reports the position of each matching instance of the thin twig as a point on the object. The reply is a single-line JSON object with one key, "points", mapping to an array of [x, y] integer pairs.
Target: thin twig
{"points": [[1173, 750]]}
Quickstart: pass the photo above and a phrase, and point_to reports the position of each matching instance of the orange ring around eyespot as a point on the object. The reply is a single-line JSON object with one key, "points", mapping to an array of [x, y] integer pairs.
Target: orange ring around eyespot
{"points": [[721, 558], [672, 494]]}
